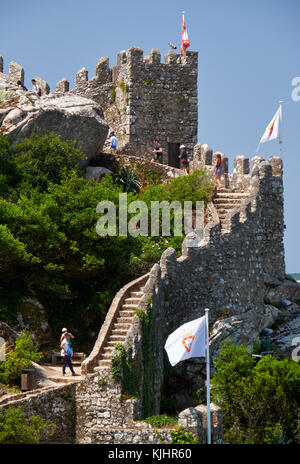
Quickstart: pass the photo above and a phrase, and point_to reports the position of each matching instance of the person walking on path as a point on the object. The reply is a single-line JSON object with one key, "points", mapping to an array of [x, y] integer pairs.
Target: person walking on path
{"points": [[218, 170], [183, 158], [158, 152], [66, 351], [113, 142]]}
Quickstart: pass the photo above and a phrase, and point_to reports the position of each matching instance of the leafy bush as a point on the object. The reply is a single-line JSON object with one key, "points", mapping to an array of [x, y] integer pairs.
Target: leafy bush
{"points": [[179, 436], [16, 429], [259, 401], [19, 358], [8, 170], [161, 420], [42, 160]]}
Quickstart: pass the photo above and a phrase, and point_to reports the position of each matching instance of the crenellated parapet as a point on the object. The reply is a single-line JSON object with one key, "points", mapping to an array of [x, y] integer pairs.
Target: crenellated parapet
{"points": [[143, 97], [243, 168], [16, 73]]}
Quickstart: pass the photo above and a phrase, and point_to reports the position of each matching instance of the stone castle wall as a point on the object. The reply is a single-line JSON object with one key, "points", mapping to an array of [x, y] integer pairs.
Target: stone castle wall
{"points": [[224, 271], [143, 98]]}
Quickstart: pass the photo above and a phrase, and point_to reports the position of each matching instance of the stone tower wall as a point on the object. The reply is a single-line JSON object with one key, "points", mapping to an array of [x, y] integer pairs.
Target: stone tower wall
{"points": [[143, 98]]}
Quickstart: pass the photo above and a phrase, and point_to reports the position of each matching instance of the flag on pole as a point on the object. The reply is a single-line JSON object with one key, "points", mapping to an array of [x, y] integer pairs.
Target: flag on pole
{"points": [[273, 130], [185, 40], [188, 341]]}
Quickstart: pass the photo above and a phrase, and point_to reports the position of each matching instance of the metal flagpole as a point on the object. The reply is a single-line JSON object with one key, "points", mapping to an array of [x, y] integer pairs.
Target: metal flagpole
{"points": [[208, 418], [280, 127]]}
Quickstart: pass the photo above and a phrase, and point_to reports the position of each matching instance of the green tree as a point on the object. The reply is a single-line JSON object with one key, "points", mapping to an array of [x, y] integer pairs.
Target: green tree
{"points": [[19, 358], [15, 428], [259, 399], [44, 159], [9, 175]]}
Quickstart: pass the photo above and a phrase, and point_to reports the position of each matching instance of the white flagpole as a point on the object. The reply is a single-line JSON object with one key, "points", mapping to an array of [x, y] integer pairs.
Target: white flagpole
{"points": [[208, 419], [280, 126]]}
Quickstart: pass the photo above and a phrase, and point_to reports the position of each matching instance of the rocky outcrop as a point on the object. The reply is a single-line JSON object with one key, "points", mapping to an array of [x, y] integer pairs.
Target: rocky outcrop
{"points": [[70, 116], [286, 290], [31, 316], [8, 334]]}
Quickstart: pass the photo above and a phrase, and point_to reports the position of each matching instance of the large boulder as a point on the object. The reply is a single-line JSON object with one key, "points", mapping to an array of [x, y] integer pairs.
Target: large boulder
{"points": [[287, 290], [70, 116], [32, 316], [7, 334], [242, 329]]}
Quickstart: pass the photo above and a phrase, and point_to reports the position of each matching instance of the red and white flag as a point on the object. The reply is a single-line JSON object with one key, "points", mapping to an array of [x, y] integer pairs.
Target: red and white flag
{"points": [[185, 39], [273, 128]]}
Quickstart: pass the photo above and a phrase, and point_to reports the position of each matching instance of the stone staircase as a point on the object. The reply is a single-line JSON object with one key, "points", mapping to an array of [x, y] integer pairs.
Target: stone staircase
{"points": [[226, 200], [120, 327]]}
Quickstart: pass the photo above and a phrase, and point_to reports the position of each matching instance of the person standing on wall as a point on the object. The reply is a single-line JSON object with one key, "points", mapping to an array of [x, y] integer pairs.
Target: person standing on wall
{"points": [[36, 88], [66, 351], [158, 152], [218, 170], [21, 86], [183, 158], [113, 142]]}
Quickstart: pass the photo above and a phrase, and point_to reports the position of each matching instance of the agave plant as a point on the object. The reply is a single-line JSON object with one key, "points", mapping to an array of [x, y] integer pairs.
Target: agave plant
{"points": [[129, 180]]}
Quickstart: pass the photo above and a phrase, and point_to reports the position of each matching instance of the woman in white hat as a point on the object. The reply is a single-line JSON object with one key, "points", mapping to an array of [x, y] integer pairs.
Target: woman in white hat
{"points": [[66, 350]]}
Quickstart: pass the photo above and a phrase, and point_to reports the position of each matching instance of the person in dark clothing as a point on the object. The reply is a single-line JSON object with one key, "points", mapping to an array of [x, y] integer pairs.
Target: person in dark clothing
{"points": [[21, 86], [183, 159], [158, 157]]}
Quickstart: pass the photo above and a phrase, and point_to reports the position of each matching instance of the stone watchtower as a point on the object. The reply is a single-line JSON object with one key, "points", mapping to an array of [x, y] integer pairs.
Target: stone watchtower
{"points": [[143, 98]]}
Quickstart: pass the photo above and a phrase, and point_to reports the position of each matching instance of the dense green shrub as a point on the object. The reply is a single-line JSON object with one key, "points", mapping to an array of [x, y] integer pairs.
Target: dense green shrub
{"points": [[9, 175], [161, 420], [19, 358], [260, 402], [16, 429], [179, 436], [42, 160]]}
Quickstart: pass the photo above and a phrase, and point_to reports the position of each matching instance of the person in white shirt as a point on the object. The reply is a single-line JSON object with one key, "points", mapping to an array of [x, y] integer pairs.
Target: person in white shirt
{"points": [[36, 88], [66, 351]]}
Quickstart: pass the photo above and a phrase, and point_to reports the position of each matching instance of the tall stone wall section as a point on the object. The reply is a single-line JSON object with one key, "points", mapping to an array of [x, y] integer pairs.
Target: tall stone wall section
{"points": [[224, 271]]}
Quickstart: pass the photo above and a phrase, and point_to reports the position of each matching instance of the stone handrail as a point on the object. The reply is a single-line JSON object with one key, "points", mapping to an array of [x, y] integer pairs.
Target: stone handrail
{"points": [[91, 361]]}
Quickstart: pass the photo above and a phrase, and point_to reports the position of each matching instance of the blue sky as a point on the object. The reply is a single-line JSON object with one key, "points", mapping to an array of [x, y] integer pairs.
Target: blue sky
{"points": [[248, 57]]}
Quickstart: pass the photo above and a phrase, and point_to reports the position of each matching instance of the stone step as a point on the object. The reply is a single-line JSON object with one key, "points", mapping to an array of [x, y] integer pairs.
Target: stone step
{"points": [[233, 195], [124, 320], [130, 306], [227, 206], [225, 201], [119, 332], [121, 326], [132, 300], [136, 294], [116, 338], [126, 313], [112, 343], [224, 211]]}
